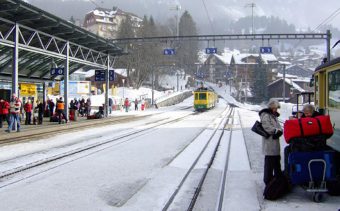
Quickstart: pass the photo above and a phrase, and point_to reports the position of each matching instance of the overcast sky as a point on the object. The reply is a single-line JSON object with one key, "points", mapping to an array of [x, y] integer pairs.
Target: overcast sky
{"points": [[303, 13]]}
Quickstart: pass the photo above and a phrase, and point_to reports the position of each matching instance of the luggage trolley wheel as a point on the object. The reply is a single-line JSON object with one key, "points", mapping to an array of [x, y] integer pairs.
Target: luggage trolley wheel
{"points": [[317, 197]]}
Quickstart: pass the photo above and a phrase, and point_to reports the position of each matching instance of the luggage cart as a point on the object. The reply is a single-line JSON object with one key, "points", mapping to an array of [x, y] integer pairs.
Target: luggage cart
{"points": [[311, 170], [317, 190]]}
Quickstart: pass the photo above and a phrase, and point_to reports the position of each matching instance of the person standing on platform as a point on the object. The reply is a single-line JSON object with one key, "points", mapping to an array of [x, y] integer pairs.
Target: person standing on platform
{"points": [[88, 107], [28, 109], [136, 104], [4, 111], [51, 106], [60, 109], [40, 107], [271, 145], [110, 105], [126, 104], [15, 106]]}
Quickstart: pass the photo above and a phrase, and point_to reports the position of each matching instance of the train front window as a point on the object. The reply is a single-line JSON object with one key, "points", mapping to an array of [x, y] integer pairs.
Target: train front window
{"points": [[203, 96], [196, 96], [334, 89]]}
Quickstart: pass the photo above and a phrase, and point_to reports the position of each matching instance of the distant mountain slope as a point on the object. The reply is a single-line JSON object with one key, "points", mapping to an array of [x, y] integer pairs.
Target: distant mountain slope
{"points": [[302, 13]]}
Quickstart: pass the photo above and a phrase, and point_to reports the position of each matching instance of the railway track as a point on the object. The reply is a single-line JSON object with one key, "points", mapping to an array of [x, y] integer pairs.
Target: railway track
{"points": [[93, 148], [225, 122]]}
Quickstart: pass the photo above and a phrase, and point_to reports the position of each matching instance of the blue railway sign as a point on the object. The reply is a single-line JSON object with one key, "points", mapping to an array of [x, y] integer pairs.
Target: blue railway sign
{"points": [[169, 51], [57, 71], [99, 75], [211, 50], [265, 49], [111, 75]]}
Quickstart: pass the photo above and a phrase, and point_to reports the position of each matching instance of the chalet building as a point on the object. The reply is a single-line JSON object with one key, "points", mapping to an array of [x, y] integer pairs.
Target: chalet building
{"points": [[106, 22], [292, 87], [216, 67], [298, 71]]}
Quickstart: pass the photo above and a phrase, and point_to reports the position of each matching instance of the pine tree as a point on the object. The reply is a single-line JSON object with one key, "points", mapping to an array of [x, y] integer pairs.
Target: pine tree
{"points": [[259, 86], [187, 51]]}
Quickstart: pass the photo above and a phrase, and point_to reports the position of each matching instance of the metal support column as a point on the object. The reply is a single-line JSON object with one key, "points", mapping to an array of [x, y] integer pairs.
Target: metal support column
{"points": [[15, 71], [107, 85], [284, 84], [328, 40], [66, 77], [44, 93]]}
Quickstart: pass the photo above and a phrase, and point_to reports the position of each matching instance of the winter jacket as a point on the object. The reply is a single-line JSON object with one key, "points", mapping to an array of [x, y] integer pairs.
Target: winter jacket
{"points": [[15, 107], [4, 108], [271, 125], [28, 107], [127, 103], [60, 105]]}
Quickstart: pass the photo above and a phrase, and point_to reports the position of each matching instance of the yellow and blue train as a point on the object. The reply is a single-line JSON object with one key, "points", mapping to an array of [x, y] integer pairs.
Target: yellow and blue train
{"points": [[327, 95], [204, 99]]}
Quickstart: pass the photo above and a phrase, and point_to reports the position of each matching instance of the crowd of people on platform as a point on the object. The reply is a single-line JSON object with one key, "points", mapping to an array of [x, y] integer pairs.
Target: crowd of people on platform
{"points": [[83, 107], [14, 111]]}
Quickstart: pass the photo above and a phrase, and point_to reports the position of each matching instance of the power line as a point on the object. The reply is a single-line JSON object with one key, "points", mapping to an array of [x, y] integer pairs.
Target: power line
{"points": [[206, 11], [96, 4], [325, 21], [329, 18]]}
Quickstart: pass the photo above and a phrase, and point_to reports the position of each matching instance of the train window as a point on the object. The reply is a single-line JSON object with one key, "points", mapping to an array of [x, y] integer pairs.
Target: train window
{"points": [[203, 96], [196, 96], [334, 89]]}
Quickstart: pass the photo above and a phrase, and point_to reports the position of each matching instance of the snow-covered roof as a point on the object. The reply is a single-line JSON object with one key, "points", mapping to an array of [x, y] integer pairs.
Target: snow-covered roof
{"points": [[280, 75], [105, 13], [90, 73], [267, 58], [202, 56], [225, 57], [239, 57], [290, 82], [285, 54], [298, 71]]}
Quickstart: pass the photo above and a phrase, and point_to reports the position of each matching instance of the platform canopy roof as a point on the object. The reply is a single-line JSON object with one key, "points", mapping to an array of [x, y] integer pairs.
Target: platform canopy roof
{"points": [[43, 39]]}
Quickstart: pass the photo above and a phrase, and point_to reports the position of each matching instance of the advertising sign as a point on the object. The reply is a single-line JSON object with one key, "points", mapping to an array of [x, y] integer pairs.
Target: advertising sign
{"points": [[28, 89]]}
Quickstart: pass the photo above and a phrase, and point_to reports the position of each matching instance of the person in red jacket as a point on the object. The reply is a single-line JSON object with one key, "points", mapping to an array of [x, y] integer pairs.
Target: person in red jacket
{"points": [[28, 109], [15, 106], [126, 104], [4, 111]]}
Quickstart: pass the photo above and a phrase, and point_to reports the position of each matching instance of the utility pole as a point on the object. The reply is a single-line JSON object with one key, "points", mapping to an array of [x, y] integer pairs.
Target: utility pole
{"points": [[284, 83], [252, 5], [177, 8]]}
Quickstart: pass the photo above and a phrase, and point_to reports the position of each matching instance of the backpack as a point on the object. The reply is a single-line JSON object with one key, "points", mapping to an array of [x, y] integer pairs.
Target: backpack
{"points": [[276, 188]]}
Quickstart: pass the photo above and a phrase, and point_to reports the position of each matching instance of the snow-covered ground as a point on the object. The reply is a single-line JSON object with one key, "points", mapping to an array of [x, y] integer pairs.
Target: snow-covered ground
{"points": [[141, 172], [107, 178]]}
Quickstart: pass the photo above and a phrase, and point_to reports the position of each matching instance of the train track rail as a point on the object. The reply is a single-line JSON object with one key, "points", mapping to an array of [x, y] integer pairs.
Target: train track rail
{"points": [[222, 125], [102, 145]]}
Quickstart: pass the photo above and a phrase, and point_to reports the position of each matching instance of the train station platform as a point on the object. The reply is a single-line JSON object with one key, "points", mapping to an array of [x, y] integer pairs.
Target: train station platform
{"points": [[48, 129]]}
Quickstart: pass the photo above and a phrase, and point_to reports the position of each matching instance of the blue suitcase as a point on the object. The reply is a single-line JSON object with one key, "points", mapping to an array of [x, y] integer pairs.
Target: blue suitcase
{"points": [[305, 167]]}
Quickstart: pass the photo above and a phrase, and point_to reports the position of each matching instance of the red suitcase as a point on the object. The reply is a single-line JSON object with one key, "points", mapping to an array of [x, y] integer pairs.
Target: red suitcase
{"points": [[308, 126]]}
